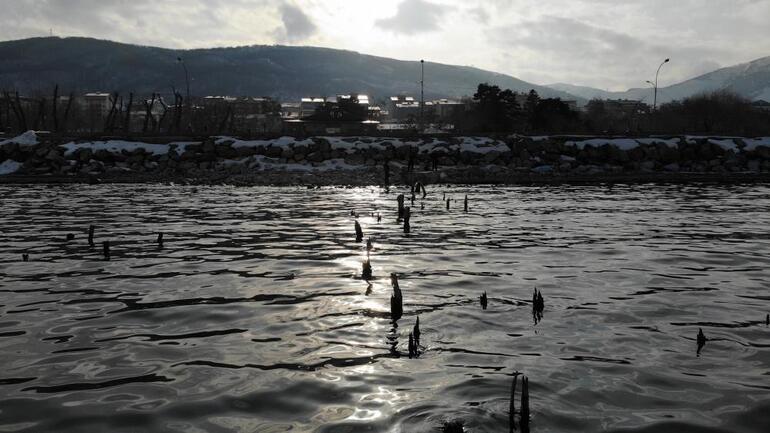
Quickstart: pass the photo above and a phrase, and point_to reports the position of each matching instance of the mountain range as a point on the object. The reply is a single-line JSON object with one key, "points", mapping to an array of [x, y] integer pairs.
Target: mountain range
{"points": [[34, 66], [751, 80]]}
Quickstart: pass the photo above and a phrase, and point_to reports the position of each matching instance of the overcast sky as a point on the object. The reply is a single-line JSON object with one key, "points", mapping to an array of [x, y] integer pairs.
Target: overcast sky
{"points": [[610, 44]]}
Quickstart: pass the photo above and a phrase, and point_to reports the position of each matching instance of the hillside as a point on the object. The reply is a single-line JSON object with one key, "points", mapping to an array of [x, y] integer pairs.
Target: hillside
{"points": [[751, 80], [83, 64]]}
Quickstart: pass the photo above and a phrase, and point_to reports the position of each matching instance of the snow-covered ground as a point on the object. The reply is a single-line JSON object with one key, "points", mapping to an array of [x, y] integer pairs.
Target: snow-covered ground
{"points": [[9, 167], [27, 139], [117, 146]]}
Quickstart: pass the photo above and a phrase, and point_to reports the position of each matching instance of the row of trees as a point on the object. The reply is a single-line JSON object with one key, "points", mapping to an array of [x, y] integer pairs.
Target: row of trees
{"points": [[129, 114], [717, 113]]}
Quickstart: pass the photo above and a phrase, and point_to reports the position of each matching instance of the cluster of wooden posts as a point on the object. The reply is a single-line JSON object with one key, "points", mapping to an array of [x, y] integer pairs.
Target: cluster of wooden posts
{"points": [[397, 306], [105, 244]]}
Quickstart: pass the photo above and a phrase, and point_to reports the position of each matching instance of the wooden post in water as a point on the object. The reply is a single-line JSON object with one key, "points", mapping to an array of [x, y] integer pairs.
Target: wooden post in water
{"points": [[91, 229], [524, 421], [767, 320], [412, 348], [106, 249], [160, 240], [400, 200], [416, 332], [366, 273], [407, 217], [447, 203], [70, 237], [379, 218], [25, 257], [512, 407], [359, 232], [483, 300], [369, 245], [396, 300], [465, 207]]}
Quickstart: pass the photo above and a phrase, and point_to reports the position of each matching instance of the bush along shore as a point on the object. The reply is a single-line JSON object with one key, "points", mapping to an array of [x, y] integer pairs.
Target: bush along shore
{"points": [[513, 159]]}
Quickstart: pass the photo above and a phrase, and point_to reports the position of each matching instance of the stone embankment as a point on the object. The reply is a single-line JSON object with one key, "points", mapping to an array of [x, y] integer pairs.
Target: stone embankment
{"points": [[360, 160]]}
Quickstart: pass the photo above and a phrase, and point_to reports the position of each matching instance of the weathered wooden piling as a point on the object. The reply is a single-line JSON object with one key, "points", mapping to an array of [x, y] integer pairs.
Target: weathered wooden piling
{"points": [[483, 299], [366, 272], [447, 203], [25, 257], [106, 249], [416, 332], [524, 420], [359, 232], [538, 305], [70, 237], [400, 201], [512, 406], [369, 245], [767, 320], [396, 300], [465, 204], [412, 347], [701, 340], [160, 240], [379, 217], [91, 229], [407, 217]]}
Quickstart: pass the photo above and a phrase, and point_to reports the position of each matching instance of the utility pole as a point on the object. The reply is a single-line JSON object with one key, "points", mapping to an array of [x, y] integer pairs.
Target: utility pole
{"points": [[422, 95]]}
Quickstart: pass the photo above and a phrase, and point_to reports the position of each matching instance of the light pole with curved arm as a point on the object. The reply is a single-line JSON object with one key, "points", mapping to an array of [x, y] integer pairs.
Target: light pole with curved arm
{"points": [[655, 85]]}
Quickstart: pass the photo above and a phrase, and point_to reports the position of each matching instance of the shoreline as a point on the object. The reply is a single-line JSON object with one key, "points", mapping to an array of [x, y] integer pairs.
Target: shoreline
{"points": [[472, 176]]}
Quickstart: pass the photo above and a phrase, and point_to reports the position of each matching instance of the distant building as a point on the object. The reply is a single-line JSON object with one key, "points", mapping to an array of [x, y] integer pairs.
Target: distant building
{"points": [[98, 104], [625, 106], [403, 107]]}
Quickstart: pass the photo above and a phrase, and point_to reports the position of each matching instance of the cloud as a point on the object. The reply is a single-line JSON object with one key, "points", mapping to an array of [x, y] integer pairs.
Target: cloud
{"points": [[297, 26], [587, 53], [415, 16]]}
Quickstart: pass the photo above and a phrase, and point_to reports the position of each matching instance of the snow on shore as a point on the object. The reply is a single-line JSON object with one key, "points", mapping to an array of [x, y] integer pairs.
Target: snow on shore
{"points": [[118, 146], [9, 167], [26, 139]]}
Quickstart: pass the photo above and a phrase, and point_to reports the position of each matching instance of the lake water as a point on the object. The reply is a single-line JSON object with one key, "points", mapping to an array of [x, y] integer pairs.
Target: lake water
{"points": [[253, 317]]}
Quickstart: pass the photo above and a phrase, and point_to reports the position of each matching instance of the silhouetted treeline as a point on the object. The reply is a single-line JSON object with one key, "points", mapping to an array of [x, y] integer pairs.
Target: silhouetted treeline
{"points": [[128, 114], [503, 111]]}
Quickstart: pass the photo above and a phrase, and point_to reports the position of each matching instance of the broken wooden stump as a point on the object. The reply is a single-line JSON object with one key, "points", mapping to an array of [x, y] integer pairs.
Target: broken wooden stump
{"points": [[379, 217], [91, 229], [483, 299], [400, 200], [160, 240], [701, 340], [412, 347], [512, 406], [396, 300], [359, 232], [106, 249], [524, 420], [538, 306], [416, 332], [70, 237], [25, 257], [366, 273]]}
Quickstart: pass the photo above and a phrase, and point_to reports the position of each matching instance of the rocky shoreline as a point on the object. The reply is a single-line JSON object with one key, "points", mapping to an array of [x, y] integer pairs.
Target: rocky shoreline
{"points": [[35, 158]]}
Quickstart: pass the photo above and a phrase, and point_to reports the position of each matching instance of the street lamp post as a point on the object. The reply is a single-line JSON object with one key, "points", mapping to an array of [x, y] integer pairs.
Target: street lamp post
{"points": [[422, 94], [655, 85]]}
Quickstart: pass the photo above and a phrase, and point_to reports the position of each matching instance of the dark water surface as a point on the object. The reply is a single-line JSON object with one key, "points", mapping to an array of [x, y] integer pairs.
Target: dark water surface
{"points": [[254, 318]]}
